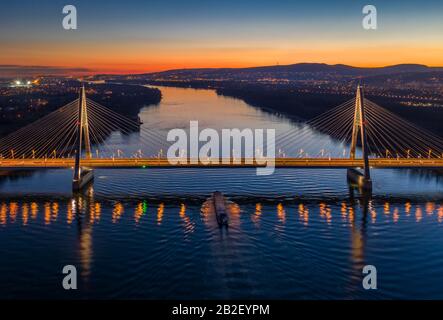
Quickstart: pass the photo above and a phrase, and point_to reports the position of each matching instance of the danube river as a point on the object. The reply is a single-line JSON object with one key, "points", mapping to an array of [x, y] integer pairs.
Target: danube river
{"points": [[146, 233]]}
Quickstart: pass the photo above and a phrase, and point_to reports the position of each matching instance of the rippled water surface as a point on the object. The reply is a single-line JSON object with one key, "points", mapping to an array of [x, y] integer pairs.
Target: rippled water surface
{"points": [[145, 233]]}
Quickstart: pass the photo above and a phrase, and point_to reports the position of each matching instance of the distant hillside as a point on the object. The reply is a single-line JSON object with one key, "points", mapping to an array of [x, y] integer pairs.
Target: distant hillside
{"points": [[300, 71], [294, 72]]}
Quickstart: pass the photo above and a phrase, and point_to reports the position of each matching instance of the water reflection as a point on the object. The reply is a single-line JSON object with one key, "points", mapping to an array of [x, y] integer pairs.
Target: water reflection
{"points": [[281, 213], [325, 212], [257, 214], [356, 213], [358, 239], [117, 212], [344, 211], [303, 212], [340, 226], [25, 213], [84, 211], [139, 212], [160, 212], [189, 225]]}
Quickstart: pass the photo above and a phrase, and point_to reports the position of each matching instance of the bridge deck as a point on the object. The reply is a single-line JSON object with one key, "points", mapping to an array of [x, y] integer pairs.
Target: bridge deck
{"points": [[164, 163]]}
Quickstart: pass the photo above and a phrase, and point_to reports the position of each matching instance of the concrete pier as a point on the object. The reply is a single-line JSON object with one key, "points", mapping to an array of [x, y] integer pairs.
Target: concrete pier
{"points": [[357, 178], [86, 177]]}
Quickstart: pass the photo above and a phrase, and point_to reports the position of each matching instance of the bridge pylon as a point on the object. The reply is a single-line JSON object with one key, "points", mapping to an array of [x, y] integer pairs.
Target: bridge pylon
{"points": [[82, 176], [359, 129]]}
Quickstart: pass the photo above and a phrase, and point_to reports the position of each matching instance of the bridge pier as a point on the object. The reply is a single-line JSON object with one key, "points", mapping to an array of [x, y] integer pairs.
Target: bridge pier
{"points": [[85, 178], [357, 178]]}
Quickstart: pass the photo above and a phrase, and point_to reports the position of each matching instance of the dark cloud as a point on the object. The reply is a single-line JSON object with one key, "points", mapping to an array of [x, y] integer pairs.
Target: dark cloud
{"points": [[7, 71]]}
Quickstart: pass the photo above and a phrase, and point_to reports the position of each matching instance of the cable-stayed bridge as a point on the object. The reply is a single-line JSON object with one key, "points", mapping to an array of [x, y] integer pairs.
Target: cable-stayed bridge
{"points": [[122, 163], [356, 134]]}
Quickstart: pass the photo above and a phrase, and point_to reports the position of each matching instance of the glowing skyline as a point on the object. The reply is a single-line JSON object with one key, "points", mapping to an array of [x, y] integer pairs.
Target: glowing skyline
{"points": [[147, 36]]}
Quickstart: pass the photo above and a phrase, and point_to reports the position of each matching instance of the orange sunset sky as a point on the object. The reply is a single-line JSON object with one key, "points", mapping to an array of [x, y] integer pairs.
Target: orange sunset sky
{"points": [[149, 36]]}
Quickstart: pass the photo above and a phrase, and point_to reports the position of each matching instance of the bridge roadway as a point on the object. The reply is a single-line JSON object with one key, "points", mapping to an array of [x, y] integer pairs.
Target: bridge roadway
{"points": [[117, 163]]}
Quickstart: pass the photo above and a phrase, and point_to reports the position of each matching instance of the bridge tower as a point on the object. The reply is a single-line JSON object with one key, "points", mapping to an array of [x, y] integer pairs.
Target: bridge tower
{"points": [[82, 175], [359, 129]]}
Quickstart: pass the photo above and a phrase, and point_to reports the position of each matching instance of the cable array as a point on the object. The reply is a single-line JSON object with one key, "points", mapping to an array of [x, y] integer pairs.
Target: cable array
{"points": [[327, 135], [51, 136], [388, 135]]}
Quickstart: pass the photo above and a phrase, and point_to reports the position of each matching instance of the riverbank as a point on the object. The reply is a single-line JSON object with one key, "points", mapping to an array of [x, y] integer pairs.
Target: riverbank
{"points": [[22, 106], [300, 103]]}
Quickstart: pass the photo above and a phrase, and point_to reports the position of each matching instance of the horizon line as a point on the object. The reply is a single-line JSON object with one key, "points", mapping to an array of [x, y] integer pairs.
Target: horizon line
{"points": [[85, 71]]}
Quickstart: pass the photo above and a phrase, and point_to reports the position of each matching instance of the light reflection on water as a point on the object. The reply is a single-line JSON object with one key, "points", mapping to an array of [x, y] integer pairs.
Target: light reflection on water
{"points": [[49, 212], [153, 234], [303, 244]]}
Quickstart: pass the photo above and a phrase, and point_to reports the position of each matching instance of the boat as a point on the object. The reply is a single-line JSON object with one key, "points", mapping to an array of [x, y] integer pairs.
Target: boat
{"points": [[220, 208]]}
